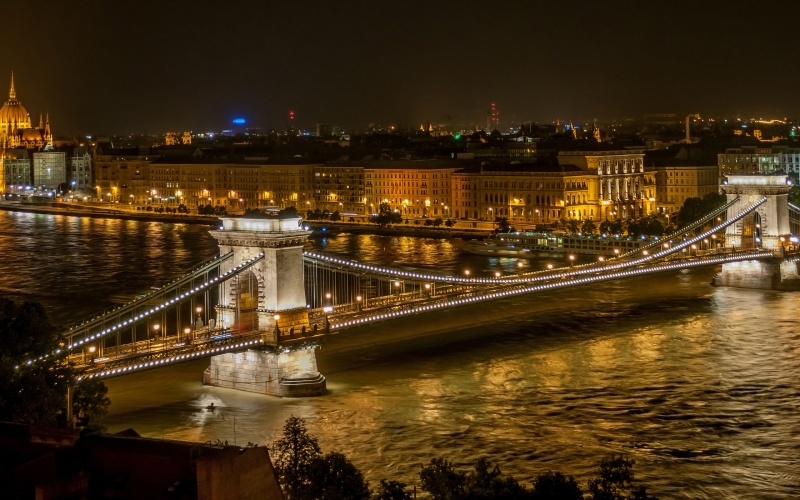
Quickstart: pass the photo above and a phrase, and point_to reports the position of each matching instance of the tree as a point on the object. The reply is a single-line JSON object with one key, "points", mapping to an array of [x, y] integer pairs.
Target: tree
{"points": [[90, 400], [386, 216], [441, 480], [794, 192], [555, 485], [695, 208], [437, 222], [588, 227], [617, 226], [450, 223], [391, 490], [293, 455], [220, 211], [288, 213], [36, 393], [635, 228], [336, 216], [486, 481], [614, 481], [502, 224], [429, 222], [573, 225], [654, 226], [334, 477]]}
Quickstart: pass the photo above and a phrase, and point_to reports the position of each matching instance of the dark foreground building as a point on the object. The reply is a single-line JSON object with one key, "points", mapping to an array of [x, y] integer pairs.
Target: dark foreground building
{"points": [[49, 464]]}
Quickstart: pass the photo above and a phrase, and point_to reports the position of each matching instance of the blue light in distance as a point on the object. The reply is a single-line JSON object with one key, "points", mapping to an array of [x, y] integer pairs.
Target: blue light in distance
{"points": [[239, 121]]}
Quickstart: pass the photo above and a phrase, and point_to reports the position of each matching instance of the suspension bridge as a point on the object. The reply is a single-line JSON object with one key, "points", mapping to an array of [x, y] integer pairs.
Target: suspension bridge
{"points": [[261, 307]]}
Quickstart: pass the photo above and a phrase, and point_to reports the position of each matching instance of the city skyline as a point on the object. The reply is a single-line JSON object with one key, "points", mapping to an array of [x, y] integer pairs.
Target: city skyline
{"points": [[148, 67]]}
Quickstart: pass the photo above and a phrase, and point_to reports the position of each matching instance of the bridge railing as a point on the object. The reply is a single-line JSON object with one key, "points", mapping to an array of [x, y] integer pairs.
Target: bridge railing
{"points": [[694, 225], [138, 301], [125, 318], [555, 283]]}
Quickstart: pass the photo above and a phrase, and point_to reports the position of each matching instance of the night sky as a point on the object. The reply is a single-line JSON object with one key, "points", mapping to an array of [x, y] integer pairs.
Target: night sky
{"points": [[102, 67]]}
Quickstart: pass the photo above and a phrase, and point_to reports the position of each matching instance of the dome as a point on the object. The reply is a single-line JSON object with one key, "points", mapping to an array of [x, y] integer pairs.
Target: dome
{"points": [[13, 111]]}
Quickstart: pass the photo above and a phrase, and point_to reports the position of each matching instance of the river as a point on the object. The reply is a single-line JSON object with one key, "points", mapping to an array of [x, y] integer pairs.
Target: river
{"points": [[699, 384]]}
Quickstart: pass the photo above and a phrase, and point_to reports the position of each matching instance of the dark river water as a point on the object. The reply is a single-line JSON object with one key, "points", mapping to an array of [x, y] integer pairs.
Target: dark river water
{"points": [[700, 385]]}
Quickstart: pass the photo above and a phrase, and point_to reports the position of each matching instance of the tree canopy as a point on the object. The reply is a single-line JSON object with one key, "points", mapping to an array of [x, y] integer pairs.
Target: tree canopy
{"points": [[695, 208], [306, 474], [36, 392], [386, 216]]}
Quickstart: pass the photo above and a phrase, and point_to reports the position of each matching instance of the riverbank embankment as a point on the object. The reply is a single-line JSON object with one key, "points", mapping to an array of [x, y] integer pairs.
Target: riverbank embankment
{"points": [[98, 212]]}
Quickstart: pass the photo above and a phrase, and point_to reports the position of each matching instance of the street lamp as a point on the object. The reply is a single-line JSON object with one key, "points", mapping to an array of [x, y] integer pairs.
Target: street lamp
{"points": [[497, 274], [358, 301], [601, 258], [155, 334], [571, 260], [91, 351], [549, 266], [187, 331], [199, 322], [466, 272], [327, 310]]}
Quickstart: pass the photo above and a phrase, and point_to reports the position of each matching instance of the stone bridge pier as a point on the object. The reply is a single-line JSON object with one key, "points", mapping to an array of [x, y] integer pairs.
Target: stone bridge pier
{"points": [[768, 227], [269, 297]]}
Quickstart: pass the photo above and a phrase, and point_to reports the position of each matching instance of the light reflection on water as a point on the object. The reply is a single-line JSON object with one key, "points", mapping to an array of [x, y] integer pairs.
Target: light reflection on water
{"points": [[700, 385]]}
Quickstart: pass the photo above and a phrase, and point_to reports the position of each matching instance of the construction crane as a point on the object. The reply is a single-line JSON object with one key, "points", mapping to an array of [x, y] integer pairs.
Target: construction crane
{"points": [[696, 116]]}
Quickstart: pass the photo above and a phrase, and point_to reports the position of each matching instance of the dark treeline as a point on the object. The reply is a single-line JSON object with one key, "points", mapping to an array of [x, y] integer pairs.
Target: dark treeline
{"points": [[34, 377], [305, 473]]}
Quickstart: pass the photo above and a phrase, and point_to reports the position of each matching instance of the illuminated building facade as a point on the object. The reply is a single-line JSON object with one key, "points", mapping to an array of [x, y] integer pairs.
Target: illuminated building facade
{"points": [[755, 159], [16, 129], [675, 184], [749, 160], [49, 169], [79, 168], [624, 189], [123, 175], [340, 188], [535, 194], [414, 188], [16, 169], [283, 186]]}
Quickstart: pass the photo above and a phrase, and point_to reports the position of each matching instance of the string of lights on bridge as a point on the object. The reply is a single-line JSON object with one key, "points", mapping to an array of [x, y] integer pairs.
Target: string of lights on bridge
{"points": [[683, 230], [172, 359], [241, 267], [551, 286], [557, 272], [119, 310]]}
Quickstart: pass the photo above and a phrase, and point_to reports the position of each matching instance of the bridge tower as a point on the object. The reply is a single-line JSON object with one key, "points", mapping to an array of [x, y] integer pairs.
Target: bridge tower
{"points": [[768, 227], [269, 298]]}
